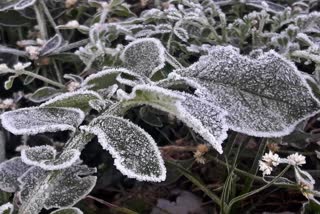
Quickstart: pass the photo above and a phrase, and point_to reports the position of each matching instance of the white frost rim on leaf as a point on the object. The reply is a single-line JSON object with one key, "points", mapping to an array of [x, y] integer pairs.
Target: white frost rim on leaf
{"points": [[46, 128], [103, 140], [161, 52], [181, 113], [49, 166], [77, 210], [5, 207], [70, 95], [106, 72]]}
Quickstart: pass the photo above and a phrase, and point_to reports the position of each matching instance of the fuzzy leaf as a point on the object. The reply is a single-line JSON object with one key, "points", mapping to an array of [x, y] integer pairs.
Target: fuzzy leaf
{"points": [[51, 45], [44, 94], [46, 157], [34, 120], [106, 78], [144, 56], [264, 97], [71, 210], [66, 188], [6, 208], [78, 99], [10, 171], [135, 152], [203, 117]]}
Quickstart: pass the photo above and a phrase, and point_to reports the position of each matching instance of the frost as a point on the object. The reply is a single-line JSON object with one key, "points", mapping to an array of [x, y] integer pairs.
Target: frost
{"points": [[77, 99], [47, 189], [6, 208], [309, 23], [10, 171], [51, 45], [47, 158], [44, 94], [203, 117], [135, 152], [266, 5], [144, 56], [34, 120], [16, 4], [264, 97], [71, 210], [24, 4], [105, 78], [181, 33]]}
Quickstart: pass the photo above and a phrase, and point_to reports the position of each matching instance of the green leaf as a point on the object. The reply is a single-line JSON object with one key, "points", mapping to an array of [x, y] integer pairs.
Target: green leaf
{"points": [[6, 208], [71, 210], [264, 97], [54, 189], [134, 150], [34, 120], [77, 99], [44, 94]]}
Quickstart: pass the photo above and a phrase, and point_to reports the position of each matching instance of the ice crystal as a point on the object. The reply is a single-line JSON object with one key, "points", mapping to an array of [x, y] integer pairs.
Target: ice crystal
{"points": [[264, 97], [34, 120], [144, 56], [135, 152], [47, 158], [66, 187], [77, 99], [10, 171]]}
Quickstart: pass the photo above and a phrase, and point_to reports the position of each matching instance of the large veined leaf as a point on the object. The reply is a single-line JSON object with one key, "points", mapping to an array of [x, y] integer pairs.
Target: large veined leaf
{"points": [[264, 97], [47, 157], [136, 153], [47, 189], [144, 56], [77, 99], [10, 171], [71, 210], [34, 120], [203, 117], [106, 78]]}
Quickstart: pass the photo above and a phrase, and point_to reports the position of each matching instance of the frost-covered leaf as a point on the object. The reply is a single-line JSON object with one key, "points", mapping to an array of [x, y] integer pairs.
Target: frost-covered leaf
{"points": [[106, 78], [47, 157], [100, 105], [203, 117], [7, 4], [51, 45], [34, 120], [77, 99], [181, 33], [8, 84], [54, 189], [144, 56], [71, 210], [44, 94], [10, 171], [266, 5], [135, 152], [264, 97], [6, 208], [24, 4]]}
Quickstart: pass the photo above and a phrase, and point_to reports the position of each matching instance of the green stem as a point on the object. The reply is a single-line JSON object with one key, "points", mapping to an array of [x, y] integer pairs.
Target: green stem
{"points": [[244, 196], [48, 14], [41, 21], [44, 79]]}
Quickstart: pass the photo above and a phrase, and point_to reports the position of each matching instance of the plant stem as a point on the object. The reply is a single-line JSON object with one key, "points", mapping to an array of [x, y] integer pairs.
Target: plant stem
{"points": [[50, 18], [44, 79], [244, 196], [41, 21]]}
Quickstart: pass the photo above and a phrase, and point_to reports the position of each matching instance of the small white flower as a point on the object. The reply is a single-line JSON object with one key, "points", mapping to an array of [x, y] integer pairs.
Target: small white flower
{"points": [[21, 66], [265, 168], [72, 24], [3, 66], [296, 159], [7, 101], [33, 52], [271, 159]]}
